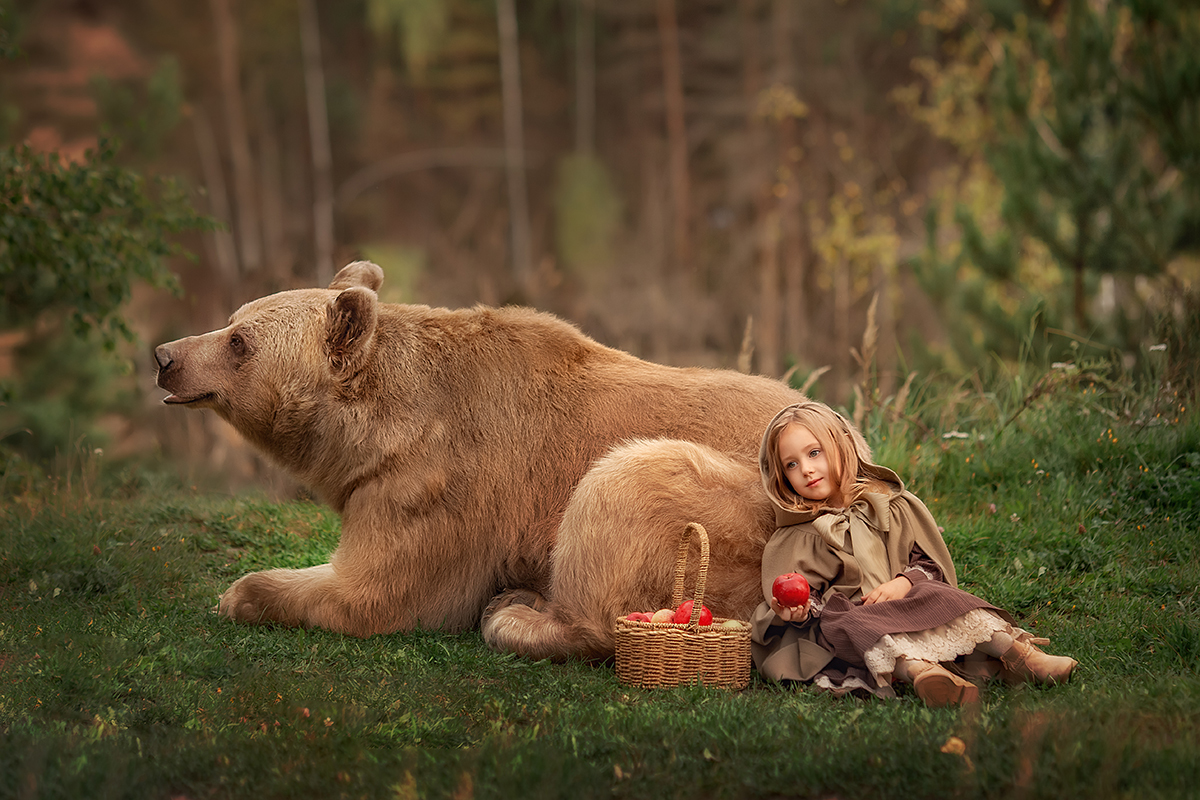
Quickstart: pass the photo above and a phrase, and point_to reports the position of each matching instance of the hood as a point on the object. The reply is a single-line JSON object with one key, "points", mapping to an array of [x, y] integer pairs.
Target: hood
{"points": [[784, 514]]}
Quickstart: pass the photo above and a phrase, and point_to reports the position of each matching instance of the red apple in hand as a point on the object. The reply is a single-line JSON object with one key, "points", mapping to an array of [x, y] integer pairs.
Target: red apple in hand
{"points": [[683, 614], [790, 589]]}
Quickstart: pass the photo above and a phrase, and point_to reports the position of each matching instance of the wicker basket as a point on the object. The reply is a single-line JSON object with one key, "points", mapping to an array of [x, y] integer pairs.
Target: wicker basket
{"points": [[653, 654]]}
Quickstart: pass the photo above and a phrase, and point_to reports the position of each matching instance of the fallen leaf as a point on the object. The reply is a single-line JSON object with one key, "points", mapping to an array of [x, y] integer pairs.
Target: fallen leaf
{"points": [[957, 747], [954, 746]]}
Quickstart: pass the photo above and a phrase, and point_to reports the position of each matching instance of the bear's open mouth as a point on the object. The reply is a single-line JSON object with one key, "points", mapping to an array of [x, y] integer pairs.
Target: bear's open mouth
{"points": [[176, 400]]}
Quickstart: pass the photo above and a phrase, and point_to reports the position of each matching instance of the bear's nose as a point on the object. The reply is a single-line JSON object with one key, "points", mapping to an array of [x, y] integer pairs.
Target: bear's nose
{"points": [[163, 356]]}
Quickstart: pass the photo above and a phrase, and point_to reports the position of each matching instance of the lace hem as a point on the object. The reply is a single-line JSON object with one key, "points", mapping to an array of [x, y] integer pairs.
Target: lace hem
{"points": [[943, 643], [923, 571], [852, 684]]}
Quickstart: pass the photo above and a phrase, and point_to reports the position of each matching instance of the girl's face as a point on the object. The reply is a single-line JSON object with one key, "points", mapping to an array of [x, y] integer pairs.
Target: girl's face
{"points": [[806, 466]]}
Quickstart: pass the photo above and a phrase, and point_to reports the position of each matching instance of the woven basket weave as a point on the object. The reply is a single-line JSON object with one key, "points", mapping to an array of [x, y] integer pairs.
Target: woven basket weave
{"points": [[653, 654]]}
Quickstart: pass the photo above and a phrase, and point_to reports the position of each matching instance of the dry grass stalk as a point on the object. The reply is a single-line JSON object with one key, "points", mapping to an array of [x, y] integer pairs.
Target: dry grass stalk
{"points": [[812, 378], [746, 354], [901, 399], [864, 392], [860, 406]]}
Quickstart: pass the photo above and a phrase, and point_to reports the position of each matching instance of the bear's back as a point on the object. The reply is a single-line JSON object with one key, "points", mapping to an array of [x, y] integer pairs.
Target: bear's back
{"points": [[546, 384]]}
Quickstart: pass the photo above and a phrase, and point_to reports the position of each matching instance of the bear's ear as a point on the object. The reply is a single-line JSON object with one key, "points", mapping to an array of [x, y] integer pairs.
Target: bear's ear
{"points": [[350, 327], [358, 273]]}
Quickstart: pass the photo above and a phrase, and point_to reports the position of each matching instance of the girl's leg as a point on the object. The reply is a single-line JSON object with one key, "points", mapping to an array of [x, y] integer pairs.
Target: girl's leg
{"points": [[1025, 662]]}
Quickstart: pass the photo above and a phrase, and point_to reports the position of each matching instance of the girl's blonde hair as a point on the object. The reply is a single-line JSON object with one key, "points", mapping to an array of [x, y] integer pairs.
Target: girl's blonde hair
{"points": [[843, 444]]}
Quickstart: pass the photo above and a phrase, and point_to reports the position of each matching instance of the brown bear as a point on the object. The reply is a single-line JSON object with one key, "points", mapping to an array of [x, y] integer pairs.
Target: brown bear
{"points": [[459, 446]]}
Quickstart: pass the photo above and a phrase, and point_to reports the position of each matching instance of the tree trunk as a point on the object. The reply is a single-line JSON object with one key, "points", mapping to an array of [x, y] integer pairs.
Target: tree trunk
{"points": [[514, 145], [277, 259], [585, 77], [1079, 304], [841, 330], [229, 71], [885, 320], [668, 29], [793, 238], [1080, 307], [318, 135], [223, 250], [766, 219], [770, 307]]}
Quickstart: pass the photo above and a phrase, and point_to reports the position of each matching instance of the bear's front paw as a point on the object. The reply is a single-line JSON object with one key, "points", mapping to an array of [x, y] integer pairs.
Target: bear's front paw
{"points": [[247, 600]]}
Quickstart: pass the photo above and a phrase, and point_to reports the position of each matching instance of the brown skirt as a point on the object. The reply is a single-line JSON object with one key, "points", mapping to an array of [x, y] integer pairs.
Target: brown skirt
{"points": [[848, 629]]}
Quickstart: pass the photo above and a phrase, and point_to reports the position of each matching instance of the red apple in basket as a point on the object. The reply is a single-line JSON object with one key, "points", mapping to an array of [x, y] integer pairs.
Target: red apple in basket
{"points": [[638, 616], [683, 614], [790, 589]]}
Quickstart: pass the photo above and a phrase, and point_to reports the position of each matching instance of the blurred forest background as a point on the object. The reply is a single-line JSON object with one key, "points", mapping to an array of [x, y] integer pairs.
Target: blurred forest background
{"points": [[742, 183]]}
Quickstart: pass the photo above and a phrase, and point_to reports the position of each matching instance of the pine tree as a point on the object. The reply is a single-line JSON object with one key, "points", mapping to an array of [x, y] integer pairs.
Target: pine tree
{"points": [[1093, 136]]}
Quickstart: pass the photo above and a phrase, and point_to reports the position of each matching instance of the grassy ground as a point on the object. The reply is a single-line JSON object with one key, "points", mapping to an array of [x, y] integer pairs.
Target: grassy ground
{"points": [[1080, 516]]}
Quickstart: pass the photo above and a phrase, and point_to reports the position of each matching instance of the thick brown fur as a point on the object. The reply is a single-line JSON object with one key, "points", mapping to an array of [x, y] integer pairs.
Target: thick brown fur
{"points": [[453, 444], [618, 547]]}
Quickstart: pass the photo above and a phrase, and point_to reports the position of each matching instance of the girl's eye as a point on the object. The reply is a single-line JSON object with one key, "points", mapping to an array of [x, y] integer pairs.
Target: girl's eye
{"points": [[814, 454]]}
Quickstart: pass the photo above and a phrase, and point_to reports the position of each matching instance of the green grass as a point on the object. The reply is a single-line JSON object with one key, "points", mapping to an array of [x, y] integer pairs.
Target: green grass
{"points": [[117, 680]]}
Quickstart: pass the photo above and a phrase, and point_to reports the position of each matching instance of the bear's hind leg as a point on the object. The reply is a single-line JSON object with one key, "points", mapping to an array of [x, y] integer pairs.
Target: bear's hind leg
{"points": [[618, 545], [511, 597], [521, 621]]}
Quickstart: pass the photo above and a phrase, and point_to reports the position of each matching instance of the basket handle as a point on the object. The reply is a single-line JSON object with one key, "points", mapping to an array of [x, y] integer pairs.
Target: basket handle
{"points": [[681, 567]]}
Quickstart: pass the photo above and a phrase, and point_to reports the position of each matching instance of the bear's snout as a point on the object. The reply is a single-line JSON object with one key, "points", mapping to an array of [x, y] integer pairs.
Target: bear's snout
{"points": [[162, 354], [172, 375]]}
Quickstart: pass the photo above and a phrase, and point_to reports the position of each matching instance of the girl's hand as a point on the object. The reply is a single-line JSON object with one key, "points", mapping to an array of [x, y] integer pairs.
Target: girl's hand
{"points": [[892, 590], [794, 614]]}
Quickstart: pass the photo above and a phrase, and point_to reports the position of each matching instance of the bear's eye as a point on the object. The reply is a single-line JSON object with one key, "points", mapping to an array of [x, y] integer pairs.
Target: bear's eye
{"points": [[237, 344]]}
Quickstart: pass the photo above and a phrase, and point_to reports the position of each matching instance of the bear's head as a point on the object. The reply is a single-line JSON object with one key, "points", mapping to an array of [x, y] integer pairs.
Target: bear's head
{"points": [[281, 358]]}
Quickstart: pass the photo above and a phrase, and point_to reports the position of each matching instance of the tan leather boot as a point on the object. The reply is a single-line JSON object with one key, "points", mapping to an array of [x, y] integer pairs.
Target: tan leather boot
{"points": [[936, 685], [1024, 661]]}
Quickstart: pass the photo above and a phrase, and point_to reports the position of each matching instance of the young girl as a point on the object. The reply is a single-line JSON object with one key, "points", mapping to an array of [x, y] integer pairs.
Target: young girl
{"points": [[884, 605]]}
